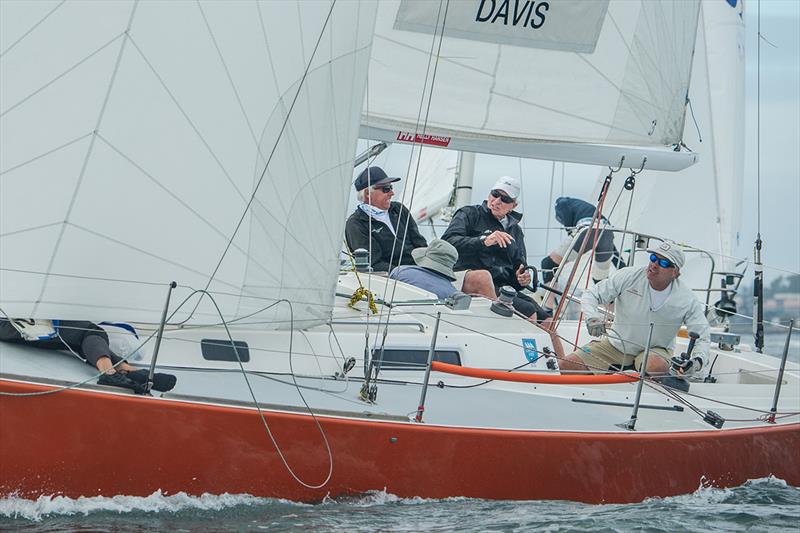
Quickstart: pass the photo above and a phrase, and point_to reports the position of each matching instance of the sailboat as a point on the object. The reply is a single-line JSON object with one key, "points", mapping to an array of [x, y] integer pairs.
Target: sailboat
{"points": [[186, 168]]}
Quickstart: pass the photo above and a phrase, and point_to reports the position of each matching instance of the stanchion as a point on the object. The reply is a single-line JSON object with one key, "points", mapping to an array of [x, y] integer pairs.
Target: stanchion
{"points": [[149, 385], [630, 425], [774, 409], [427, 379]]}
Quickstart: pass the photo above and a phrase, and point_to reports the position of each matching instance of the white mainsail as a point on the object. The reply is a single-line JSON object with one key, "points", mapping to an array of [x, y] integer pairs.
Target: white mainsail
{"points": [[207, 143], [701, 206], [559, 81]]}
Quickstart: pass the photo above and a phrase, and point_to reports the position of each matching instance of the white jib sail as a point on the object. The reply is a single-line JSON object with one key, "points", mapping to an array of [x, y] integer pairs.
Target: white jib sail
{"points": [[431, 178], [515, 75], [133, 136]]}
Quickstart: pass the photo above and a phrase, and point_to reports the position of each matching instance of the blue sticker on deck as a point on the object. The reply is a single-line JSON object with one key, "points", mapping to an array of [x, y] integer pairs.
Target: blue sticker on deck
{"points": [[531, 352]]}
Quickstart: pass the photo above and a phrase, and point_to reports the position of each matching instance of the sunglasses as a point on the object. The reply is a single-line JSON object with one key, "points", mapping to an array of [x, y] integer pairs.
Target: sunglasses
{"points": [[663, 263], [503, 197], [384, 188]]}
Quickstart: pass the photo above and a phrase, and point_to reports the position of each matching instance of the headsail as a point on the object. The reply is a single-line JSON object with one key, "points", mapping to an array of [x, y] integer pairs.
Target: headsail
{"points": [[202, 142], [431, 177], [555, 80]]}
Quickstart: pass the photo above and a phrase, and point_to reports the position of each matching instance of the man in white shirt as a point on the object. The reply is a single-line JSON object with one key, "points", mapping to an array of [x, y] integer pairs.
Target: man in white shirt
{"points": [[642, 295]]}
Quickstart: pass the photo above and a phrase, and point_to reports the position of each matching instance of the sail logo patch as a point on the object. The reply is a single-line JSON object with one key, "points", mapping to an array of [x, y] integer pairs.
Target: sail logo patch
{"points": [[433, 140], [531, 351]]}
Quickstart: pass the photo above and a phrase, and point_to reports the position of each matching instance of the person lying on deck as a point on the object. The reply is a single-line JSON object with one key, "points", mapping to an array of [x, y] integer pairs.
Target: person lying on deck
{"points": [[88, 341]]}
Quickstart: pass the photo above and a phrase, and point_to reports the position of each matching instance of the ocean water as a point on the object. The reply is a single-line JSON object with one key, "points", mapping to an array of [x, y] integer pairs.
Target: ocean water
{"points": [[760, 505]]}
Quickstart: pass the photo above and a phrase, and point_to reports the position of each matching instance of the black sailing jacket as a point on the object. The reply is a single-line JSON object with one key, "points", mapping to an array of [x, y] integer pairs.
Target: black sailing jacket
{"points": [[464, 232], [357, 233]]}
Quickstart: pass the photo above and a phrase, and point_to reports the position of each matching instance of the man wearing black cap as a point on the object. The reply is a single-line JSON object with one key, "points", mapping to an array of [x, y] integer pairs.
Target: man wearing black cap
{"points": [[383, 227]]}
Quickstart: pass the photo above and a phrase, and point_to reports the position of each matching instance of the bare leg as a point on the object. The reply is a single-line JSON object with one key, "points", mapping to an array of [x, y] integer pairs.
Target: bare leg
{"points": [[547, 325], [656, 365], [549, 299], [104, 365], [572, 362], [479, 282]]}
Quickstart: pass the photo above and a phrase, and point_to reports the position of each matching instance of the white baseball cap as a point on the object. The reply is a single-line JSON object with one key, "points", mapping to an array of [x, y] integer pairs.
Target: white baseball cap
{"points": [[508, 185], [670, 251]]}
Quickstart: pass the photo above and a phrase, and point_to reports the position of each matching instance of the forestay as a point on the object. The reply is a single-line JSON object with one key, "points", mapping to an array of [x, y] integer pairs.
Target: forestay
{"points": [[556, 80], [145, 142]]}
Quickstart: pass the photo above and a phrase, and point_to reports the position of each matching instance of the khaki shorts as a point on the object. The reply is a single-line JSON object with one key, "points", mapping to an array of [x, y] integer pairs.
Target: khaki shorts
{"points": [[459, 282], [600, 355]]}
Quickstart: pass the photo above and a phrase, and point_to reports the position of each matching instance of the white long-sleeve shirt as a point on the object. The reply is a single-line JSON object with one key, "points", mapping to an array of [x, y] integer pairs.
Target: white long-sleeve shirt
{"points": [[629, 289]]}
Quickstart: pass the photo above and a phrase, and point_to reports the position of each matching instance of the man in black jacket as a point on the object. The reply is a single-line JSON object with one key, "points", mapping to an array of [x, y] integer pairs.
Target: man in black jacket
{"points": [[388, 230], [488, 236], [384, 227]]}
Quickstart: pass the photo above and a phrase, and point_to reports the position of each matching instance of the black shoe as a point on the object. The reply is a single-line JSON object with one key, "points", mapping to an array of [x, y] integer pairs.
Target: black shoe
{"points": [[121, 380], [161, 382]]}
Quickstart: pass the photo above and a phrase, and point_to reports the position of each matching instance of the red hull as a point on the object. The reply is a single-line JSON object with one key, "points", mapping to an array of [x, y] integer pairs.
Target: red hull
{"points": [[87, 443]]}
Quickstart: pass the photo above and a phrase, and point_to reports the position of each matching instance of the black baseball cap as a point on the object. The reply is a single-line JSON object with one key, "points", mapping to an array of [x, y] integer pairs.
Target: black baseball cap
{"points": [[372, 176]]}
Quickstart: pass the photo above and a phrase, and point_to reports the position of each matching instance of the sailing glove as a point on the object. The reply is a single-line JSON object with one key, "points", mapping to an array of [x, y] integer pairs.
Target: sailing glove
{"points": [[596, 326], [685, 368]]}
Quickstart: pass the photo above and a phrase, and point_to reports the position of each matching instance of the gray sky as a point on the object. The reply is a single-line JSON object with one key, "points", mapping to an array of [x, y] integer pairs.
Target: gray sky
{"points": [[780, 134]]}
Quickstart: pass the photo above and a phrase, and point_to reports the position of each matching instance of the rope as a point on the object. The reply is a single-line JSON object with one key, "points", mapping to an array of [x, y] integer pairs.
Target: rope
{"points": [[632, 179], [598, 217], [372, 366], [299, 392], [361, 291], [300, 87], [550, 208]]}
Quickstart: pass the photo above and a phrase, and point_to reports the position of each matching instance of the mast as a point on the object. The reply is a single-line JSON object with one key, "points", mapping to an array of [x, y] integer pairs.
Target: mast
{"points": [[465, 176]]}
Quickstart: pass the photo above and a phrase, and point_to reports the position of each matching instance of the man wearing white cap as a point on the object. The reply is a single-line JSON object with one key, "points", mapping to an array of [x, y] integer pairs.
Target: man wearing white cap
{"points": [[489, 236], [642, 295]]}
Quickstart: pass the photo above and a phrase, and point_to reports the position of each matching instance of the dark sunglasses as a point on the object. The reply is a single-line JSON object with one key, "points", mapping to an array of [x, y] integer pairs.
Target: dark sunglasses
{"points": [[384, 189], [663, 263], [503, 197]]}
